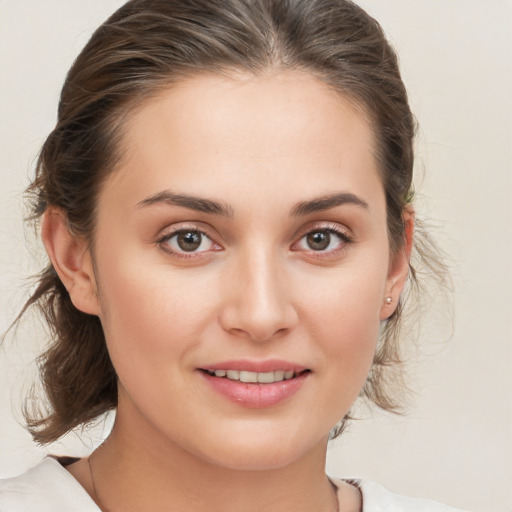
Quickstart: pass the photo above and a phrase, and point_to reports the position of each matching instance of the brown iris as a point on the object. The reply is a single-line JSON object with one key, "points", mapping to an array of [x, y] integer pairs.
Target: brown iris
{"points": [[189, 241], [319, 240]]}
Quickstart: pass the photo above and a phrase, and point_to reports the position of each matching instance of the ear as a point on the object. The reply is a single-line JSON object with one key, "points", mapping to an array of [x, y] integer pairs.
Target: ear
{"points": [[71, 259], [399, 267]]}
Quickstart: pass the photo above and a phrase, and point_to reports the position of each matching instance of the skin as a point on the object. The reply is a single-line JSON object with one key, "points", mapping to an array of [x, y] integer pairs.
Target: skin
{"points": [[256, 290]]}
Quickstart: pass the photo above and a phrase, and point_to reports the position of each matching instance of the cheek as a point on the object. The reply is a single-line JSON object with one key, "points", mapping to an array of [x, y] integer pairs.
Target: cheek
{"points": [[347, 302], [344, 313], [149, 316], [350, 340]]}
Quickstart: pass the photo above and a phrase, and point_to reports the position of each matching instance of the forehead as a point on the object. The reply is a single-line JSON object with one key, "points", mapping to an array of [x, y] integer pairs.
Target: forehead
{"points": [[287, 131]]}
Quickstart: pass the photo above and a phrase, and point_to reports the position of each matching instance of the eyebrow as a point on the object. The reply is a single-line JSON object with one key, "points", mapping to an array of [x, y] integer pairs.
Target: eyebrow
{"points": [[326, 202], [186, 201], [217, 208]]}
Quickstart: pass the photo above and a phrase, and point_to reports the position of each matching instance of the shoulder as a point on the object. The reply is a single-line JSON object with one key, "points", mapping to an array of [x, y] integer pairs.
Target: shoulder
{"points": [[47, 487], [377, 498]]}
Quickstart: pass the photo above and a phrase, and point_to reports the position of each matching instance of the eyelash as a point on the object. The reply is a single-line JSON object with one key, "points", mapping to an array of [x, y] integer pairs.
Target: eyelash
{"points": [[345, 240], [163, 242]]}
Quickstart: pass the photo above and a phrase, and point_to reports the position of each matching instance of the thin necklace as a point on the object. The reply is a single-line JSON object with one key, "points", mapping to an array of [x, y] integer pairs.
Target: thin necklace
{"points": [[335, 489], [96, 495], [105, 509]]}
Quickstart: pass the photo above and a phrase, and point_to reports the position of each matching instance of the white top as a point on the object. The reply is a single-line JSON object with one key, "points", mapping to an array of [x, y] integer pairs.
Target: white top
{"points": [[48, 487]]}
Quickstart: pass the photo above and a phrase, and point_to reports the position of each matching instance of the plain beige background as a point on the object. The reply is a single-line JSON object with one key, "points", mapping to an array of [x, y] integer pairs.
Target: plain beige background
{"points": [[455, 445]]}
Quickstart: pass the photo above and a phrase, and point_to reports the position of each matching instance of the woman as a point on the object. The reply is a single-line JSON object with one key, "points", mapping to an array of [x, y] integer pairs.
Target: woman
{"points": [[226, 204]]}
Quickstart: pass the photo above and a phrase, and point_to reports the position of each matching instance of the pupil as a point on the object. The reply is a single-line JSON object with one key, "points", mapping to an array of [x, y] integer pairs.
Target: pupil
{"points": [[319, 240], [189, 241]]}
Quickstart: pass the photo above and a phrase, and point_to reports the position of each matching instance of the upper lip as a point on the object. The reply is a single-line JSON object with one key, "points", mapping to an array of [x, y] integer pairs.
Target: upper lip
{"points": [[270, 365]]}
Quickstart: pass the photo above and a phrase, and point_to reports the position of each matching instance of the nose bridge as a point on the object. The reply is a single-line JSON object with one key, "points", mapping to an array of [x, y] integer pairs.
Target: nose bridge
{"points": [[261, 304]]}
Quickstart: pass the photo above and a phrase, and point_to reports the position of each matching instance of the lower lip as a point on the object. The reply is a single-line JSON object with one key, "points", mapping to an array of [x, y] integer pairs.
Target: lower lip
{"points": [[256, 396]]}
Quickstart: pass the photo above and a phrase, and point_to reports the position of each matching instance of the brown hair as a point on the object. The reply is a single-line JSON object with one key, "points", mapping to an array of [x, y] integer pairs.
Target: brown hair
{"points": [[147, 45]]}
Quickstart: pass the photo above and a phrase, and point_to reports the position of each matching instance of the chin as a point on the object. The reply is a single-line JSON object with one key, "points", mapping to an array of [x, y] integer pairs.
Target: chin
{"points": [[249, 461], [257, 452]]}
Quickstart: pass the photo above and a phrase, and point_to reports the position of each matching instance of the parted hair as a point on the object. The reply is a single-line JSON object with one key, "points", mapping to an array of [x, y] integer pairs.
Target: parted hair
{"points": [[148, 45]]}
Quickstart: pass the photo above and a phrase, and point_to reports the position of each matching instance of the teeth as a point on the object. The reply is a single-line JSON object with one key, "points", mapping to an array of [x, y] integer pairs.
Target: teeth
{"points": [[266, 378], [279, 375], [248, 377], [254, 377]]}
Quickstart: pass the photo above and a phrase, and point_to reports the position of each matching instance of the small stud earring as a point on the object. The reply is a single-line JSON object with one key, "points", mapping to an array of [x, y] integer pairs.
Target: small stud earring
{"points": [[389, 300]]}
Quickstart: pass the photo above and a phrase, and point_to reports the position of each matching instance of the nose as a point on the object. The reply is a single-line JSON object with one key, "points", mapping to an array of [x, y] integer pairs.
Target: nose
{"points": [[259, 305]]}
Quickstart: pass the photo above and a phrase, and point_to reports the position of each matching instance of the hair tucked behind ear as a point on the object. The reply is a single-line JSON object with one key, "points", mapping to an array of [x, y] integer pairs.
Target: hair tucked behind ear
{"points": [[150, 44], [76, 358]]}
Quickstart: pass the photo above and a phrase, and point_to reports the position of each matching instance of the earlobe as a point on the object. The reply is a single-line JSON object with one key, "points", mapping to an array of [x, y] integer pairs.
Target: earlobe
{"points": [[399, 268], [72, 261]]}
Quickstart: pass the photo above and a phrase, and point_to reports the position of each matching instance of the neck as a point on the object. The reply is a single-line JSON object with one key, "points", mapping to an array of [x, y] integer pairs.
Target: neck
{"points": [[146, 472]]}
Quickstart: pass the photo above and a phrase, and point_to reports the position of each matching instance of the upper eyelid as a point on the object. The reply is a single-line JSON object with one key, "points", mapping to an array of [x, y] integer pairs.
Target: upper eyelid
{"points": [[182, 255], [324, 226], [199, 227], [213, 234], [167, 236], [344, 237]]}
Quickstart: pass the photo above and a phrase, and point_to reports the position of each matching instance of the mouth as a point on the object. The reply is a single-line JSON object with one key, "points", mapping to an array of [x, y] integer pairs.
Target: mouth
{"points": [[256, 377], [256, 385]]}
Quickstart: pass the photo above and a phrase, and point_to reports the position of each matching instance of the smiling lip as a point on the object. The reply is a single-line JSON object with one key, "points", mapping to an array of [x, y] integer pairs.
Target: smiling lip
{"points": [[278, 380], [270, 365]]}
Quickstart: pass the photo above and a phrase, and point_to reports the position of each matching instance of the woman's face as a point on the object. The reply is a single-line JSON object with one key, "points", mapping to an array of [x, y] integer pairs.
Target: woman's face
{"points": [[243, 237]]}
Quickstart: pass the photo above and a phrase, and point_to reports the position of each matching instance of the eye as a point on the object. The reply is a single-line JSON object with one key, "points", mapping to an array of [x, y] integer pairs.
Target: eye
{"points": [[318, 240], [326, 240], [187, 241]]}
